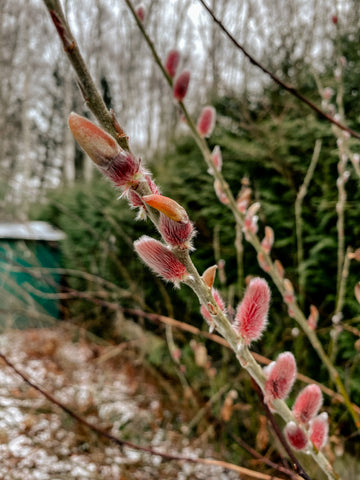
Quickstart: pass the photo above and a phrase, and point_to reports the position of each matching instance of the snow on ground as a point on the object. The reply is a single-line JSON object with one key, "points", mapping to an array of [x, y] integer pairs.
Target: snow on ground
{"points": [[38, 441]]}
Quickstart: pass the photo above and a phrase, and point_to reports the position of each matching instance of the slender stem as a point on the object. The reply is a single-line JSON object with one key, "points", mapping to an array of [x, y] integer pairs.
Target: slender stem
{"points": [[276, 79], [86, 83], [257, 455], [298, 219], [297, 466]]}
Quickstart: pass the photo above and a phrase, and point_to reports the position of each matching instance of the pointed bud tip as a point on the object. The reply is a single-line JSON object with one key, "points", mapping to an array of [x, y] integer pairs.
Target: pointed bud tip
{"points": [[99, 145], [209, 275], [167, 206]]}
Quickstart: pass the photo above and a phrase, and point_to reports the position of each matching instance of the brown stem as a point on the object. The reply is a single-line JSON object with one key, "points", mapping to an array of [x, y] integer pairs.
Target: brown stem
{"points": [[293, 91], [124, 443], [257, 455], [295, 462], [86, 83]]}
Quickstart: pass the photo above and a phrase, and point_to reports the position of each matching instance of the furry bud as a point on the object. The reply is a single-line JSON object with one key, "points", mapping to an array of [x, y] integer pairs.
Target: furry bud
{"points": [[172, 62], [114, 162], [307, 403], [319, 430], [181, 85], [206, 121], [251, 313], [160, 259], [295, 436], [281, 377]]}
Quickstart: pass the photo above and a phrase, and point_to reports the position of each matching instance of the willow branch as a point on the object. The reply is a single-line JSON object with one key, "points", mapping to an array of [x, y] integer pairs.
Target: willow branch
{"points": [[255, 242], [293, 91], [86, 83]]}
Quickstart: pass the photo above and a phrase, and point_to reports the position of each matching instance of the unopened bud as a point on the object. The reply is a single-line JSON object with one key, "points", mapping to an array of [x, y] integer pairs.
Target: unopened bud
{"points": [[176, 234], [216, 158], [209, 310], [160, 259], [319, 430], [140, 12], [167, 206], [307, 403], [313, 317], [181, 85], [252, 312], [296, 436], [268, 240], [354, 255], [357, 291], [209, 276], [206, 121], [281, 377], [262, 262], [220, 193], [327, 93], [289, 296], [114, 162], [172, 62], [279, 268]]}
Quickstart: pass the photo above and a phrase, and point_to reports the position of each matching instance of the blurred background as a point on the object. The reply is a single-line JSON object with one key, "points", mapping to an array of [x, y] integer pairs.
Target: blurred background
{"points": [[66, 253]]}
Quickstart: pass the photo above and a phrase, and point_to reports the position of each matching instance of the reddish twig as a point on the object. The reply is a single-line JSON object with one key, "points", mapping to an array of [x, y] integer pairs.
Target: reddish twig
{"points": [[295, 462], [124, 443], [293, 91], [257, 455]]}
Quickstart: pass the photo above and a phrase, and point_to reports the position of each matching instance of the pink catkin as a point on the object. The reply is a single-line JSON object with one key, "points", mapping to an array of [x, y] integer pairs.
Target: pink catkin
{"points": [[172, 62], [307, 403], [296, 436], [281, 377], [251, 313], [181, 85], [160, 259], [319, 430], [176, 234], [206, 121], [123, 169], [140, 12]]}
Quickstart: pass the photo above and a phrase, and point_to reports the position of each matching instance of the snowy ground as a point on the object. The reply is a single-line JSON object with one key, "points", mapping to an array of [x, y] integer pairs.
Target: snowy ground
{"points": [[38, 441]]}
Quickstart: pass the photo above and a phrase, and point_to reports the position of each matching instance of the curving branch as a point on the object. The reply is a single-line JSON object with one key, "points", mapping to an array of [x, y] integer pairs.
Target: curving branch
{"points": [[125, 443], [293, 91]]}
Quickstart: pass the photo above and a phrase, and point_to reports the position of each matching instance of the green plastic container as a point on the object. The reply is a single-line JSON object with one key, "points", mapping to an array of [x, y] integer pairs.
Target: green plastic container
{"points": [[29, 276]]}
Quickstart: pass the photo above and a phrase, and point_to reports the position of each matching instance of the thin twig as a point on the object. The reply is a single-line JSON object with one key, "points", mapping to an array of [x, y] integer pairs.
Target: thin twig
{"points": [[293, 91], [125, 443], [298, 219], [296, 464], [85, 81], [257, 455]]}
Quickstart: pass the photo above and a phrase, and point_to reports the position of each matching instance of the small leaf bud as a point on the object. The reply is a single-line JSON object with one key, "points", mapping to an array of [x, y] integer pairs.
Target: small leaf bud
{"points": [[172, 62], [181, 85], [206, 121]]}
